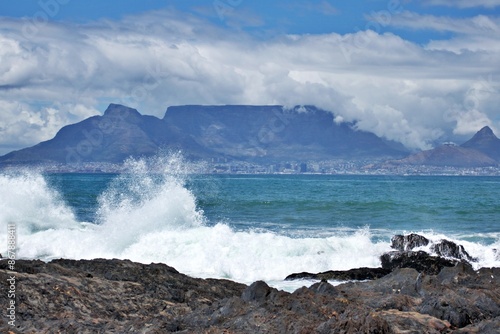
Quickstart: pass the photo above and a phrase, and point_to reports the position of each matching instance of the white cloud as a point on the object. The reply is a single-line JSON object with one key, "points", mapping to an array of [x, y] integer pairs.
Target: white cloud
{"points": [[473, 34], [470, 121], [23, 125], [480, 24], [464, 3], [395, 88]]}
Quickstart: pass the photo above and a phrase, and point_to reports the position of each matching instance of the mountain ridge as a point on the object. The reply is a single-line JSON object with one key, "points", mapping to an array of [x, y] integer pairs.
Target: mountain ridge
{"points": [[259, 134], [235, 132]]}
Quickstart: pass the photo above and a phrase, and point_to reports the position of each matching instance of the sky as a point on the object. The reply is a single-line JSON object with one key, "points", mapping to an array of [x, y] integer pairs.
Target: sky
{"points": [[418, 72]]}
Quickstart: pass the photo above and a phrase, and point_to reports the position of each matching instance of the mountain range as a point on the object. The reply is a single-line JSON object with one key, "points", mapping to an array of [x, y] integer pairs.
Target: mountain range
{"points": [[260, 134], [244, 133]]}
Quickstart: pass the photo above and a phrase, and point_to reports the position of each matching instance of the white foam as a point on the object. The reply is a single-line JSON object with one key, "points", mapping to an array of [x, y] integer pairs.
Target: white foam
{"points": [[219, 251], [26, 198]]}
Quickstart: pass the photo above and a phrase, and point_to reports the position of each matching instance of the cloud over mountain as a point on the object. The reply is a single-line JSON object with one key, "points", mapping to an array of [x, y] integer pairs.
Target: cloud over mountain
{"points": [[55, 73]]}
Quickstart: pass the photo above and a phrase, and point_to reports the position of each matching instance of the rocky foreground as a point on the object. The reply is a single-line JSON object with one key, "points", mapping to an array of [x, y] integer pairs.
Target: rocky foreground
{"points": [[120, 296]]}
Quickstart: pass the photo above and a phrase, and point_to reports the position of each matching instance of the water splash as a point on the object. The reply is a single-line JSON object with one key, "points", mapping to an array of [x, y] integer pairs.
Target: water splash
{"points": [[27, 200], [149, 197]]}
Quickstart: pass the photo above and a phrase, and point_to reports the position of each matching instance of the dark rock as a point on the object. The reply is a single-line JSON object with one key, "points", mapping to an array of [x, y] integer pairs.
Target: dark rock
{"points": [[420, 261], [453, 274], [408, 242], [450, 249], [358, 274], [483, 327], [257, 291]]}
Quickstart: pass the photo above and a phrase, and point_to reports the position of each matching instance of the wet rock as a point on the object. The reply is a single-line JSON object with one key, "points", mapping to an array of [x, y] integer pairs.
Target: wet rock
{"points": [[408, 242], [420, 261], [358, 274], [497, 254], [444, 248], [450, 249]]}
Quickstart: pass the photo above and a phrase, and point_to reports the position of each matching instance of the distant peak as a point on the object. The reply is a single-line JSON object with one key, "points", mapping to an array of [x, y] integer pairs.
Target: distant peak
{"points": [[120, 110], [484, 134], [486, 131]]}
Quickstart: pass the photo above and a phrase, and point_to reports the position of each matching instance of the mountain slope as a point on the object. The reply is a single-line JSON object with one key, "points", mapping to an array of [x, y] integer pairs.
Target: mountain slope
{"points": [[450, 155], [112, 137], [482, 150], [486, 142]]}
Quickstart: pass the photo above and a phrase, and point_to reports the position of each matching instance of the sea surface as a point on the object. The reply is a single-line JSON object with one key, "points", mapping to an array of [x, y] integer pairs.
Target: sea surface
{"points": [[243, 227]]}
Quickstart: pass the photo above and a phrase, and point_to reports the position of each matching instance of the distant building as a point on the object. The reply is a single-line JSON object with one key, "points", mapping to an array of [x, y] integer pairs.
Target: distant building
{"points": [[303, 167]]}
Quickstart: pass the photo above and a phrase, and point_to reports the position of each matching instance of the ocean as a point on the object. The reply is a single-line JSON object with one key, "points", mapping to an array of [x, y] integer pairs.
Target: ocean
{"points": [[242, 227]]}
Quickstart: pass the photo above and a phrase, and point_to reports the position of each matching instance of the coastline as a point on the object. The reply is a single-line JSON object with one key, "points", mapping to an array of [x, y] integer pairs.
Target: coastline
{"points": [[116, 296]]}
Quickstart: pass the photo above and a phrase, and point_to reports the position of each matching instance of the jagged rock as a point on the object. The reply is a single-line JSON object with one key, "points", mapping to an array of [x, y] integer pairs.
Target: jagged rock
{"points": [[449, 254], [420, 261], [359, 274], [408, 242], [461, 296], [448, 248]]}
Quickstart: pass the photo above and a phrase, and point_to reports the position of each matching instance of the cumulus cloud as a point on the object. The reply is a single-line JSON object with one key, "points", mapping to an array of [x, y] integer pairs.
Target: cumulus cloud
{"points": [[23, 125], [471, 120], [415, 94]]}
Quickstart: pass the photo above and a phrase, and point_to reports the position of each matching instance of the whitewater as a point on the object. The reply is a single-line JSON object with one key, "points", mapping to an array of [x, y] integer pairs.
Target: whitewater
{"points": [[153, 213]]}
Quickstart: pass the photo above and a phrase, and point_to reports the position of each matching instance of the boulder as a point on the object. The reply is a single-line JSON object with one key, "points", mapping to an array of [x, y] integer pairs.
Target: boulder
{"points": [[257, 291]]}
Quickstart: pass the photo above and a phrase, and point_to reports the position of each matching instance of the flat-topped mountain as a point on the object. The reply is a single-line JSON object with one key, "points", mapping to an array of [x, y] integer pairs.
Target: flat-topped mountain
{"points": [[249, 133], [276, 133]]}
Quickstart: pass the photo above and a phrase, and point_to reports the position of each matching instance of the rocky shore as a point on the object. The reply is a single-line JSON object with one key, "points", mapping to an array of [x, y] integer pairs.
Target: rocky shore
{"points": [[442, 295]]}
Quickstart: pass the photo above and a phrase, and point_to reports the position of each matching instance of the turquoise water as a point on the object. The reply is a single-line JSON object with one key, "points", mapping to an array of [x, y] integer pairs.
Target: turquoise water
{"points": [[315, 204], [243, 227]]}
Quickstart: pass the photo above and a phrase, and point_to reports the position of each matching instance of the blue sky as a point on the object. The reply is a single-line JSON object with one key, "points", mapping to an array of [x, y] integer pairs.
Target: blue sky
{"points": [[293, 17], [420, 72]]}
